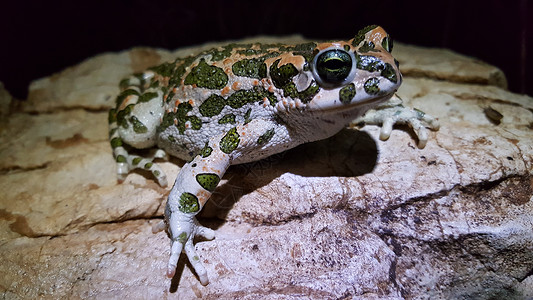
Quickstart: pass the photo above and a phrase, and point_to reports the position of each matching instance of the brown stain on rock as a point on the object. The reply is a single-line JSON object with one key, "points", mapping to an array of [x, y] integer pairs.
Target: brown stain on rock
{"points": [[20, 225], [68, 142], [142, 59], [519, 191], [93, 186], [482, 141]]}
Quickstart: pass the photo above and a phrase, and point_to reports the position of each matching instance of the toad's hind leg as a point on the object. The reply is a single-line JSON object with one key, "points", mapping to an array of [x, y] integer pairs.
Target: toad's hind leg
{"points": [[133, 124], [127, 162]]}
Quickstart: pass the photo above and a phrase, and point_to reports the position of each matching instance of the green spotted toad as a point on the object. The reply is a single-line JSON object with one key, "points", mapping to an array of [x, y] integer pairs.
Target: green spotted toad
{"points": [[242, 103]]}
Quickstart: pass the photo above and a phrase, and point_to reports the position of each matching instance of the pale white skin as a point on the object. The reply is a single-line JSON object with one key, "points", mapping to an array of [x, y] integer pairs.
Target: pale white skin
{"points": [[259, 130]]}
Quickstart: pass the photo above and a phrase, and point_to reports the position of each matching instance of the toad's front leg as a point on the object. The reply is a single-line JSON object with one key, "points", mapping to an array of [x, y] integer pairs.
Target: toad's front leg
{"points": [[393, 112], [198, 179], [193, 187]]}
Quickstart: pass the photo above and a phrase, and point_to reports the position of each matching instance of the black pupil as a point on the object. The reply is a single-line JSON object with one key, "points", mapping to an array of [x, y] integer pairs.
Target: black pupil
{"points": [[334, 66]]}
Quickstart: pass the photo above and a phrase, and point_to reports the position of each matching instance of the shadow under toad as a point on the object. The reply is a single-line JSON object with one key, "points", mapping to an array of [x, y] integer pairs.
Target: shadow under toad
{"points": [[349, 153], [175, 281]]}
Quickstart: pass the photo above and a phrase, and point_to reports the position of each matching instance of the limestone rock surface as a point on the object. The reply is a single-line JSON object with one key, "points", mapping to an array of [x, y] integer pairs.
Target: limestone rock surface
{"points": [[347, 217]]}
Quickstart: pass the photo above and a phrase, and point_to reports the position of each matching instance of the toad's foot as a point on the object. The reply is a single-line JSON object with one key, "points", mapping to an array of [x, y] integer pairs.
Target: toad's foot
{"points": [[127, 162], [183, 229], [393, 112]]}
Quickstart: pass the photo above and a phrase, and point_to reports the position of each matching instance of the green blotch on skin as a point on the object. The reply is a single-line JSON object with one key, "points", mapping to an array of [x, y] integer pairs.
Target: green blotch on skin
{"points": [[367, 47], [148, 165], [206, 76], [181, 116], [155, 84], [269, 55], [248, 52], [243, 97], [182, 65], [309, 93], [112, 131], [206, 151], [217, 55], [112, 116], [347, 93], [188, 203], [156, 173], [230, 141], [247, 116], [229, 118], [208, 181], [270, 96], [121, 116], [305, 47], [121, 119], [360, 36], [124, 83], [182, 238], [266, 137], [165, 69], [138, 126], [147, 97], [212, 106], [389, 73], [252, 68], [306, 95], [136, 160], [281, 76], [140, 77], [124, 95], [196, 123], [168, 97], [121, 159], [116, 142], [372, 86], [307, 50], [265, 47]]}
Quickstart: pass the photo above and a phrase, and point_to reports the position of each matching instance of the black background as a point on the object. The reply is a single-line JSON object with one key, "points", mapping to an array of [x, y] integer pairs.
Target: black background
{"points": [[43, 37]]}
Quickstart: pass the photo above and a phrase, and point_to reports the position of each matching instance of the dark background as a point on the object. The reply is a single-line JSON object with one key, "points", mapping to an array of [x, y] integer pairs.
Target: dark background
{"points": [[43, 37]]}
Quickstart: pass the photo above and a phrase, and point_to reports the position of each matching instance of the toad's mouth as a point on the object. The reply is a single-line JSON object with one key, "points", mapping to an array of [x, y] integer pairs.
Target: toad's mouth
{"points": [[354, 105]]}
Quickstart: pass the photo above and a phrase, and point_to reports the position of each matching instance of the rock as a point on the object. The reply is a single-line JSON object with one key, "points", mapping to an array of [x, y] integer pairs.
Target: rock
{"points": [[347, 217], [444, 64]]}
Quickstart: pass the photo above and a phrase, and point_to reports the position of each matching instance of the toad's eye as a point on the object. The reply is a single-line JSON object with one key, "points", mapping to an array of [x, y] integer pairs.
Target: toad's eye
{"points": [[333, 67]]}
